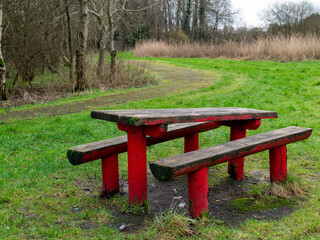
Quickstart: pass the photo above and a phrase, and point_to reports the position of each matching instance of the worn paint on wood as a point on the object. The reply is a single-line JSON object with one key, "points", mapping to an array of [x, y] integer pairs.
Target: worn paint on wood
{"points": [[198, 192], [110, 176], [197, 181], [137, 165], [236, 167], [171, 167], [139, 117], [278, 164], [97, 150], [245, 124]]}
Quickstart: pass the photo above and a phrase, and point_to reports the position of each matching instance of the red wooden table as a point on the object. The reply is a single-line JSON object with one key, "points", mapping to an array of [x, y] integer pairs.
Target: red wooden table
{"points": [[140, 123]]}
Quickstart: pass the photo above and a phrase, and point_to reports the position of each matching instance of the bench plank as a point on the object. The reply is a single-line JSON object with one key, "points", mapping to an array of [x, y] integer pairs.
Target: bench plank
{"points": [[96, 150], [174, 166]]}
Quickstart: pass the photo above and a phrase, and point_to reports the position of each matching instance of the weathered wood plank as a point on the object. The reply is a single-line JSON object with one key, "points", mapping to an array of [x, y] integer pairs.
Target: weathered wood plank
{"points": [[96, 150], [138, 117], [174, 166]]}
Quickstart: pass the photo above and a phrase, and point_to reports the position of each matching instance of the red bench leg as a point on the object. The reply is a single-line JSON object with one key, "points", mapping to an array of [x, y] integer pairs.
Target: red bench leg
{"points": [[235, 167], [278, 164], [137, 165], [198, 192], [197, 181], [110, 176]]}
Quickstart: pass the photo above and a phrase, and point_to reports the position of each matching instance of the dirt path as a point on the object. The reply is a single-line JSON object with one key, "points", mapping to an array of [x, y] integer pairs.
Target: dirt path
{"points": [[180, 80]]}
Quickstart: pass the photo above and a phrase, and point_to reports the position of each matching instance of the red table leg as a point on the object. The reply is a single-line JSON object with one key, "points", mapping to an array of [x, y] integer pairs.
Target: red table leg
{"points": [[110, 176], [197, 181], [235, 167], [191, 142], [137, 165], [278, 164]]}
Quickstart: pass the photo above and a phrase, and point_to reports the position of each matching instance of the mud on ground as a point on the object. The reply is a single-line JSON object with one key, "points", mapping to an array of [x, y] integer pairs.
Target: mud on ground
{"points": [[163, 196]]}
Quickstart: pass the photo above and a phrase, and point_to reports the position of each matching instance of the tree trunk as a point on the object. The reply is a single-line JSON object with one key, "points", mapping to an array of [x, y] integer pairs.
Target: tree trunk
{"points": [[195, 28], [3, 91], [169, 17], [165, 20], [82, 47], [215, 29], [71, 64], [178, 14], [113, 65], [102, 44], [186, 19], [112, 51], [15, 83], [102, 53], [202, 19]]}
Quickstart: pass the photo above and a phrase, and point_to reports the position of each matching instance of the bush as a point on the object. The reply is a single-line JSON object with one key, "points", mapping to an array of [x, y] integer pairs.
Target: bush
{"points": [[128, 75]]}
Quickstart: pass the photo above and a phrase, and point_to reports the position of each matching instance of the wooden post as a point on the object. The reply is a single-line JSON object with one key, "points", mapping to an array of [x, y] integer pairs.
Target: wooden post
{"points": [[197, 181], [278, 164], [137, 164], [236, 167], [110, 176], [191, 142]]}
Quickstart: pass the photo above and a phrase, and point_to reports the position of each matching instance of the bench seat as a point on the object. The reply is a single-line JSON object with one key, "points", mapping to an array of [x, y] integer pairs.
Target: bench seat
{"points": [[192, 163], [97, 150], [108, 150]]}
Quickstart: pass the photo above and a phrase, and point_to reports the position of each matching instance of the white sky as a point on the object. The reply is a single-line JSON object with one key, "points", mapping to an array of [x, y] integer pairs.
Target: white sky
{"points": [[249, 10]]}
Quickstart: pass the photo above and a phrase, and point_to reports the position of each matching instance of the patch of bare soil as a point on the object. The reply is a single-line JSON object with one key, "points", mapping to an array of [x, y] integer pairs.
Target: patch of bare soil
{"points": [[163, 196], [181, 80]]}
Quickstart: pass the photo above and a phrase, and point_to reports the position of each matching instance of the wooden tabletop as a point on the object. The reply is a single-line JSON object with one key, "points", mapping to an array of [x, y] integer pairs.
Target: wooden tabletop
{"points": [[140, 117]]}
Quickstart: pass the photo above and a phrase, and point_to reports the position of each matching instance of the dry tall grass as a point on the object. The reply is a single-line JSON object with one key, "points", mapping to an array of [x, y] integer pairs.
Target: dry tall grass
{"points": [[128, 75], [276, 48]]}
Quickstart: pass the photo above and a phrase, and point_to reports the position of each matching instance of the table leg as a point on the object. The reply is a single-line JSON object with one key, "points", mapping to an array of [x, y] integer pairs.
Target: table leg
{"points": [[197, 181], [110, 176], [191, 142], [235, 167], [137, 165]]}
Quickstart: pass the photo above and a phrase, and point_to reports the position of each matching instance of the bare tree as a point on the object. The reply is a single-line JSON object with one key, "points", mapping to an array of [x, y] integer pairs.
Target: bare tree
{"points": [[186, 18], [287, 16], [202, 19], [220, 11], [98, 12], [311, 24], [67, 5], [3, 92], [112, 51], [195, 21], [33, 36], [82, 46]]}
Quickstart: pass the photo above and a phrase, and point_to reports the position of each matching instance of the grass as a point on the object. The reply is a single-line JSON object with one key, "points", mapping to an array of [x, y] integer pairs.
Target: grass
{"points": [[250, 204], [43, 196], [172, 225]]}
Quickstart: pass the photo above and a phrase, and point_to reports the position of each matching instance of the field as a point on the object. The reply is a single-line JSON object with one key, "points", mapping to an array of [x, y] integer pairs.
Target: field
{"points": [[44, 196]]}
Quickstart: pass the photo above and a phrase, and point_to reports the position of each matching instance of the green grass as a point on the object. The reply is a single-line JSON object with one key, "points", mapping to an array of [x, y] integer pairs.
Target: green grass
{"points": [[42, 194]]}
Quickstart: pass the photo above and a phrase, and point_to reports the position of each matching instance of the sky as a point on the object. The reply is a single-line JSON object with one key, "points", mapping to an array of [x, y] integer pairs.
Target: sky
{"points": [[249, 10]]}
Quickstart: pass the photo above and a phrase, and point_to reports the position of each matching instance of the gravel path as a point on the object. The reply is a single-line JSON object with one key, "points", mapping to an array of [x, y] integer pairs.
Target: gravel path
{"points": [[180, 80]]}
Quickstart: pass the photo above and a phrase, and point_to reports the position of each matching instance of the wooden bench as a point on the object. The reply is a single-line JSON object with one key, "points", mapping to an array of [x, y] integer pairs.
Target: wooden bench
{"points": [[108, 150], [196, 163]]}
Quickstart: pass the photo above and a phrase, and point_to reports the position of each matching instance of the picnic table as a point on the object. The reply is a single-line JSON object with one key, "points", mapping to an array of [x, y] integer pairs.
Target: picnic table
{"points": [[142, 123]]}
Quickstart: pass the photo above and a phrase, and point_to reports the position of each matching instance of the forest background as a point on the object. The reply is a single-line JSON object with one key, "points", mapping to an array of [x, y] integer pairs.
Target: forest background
{"points": [[59, 39]]}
